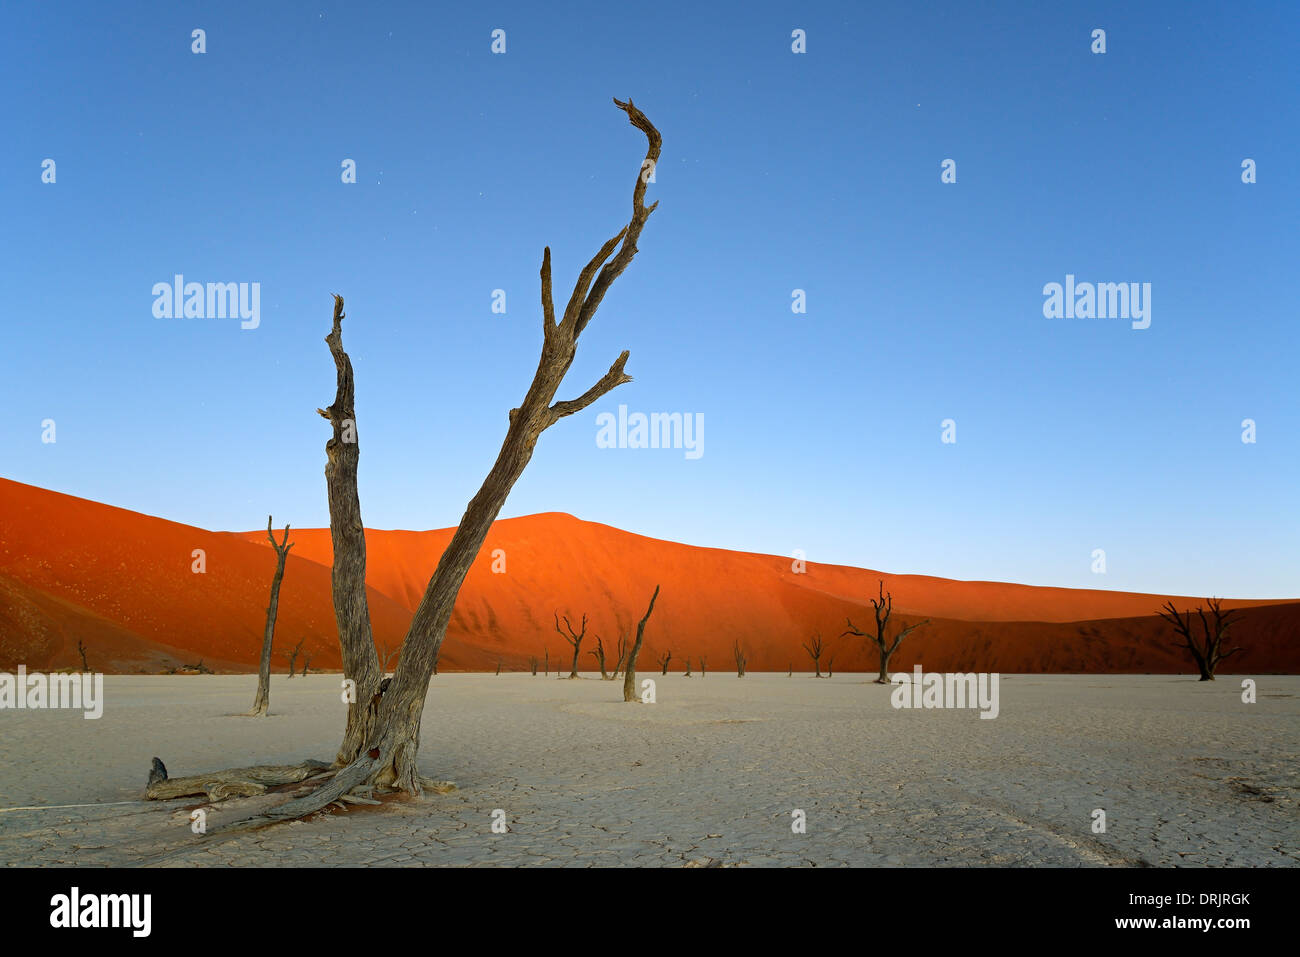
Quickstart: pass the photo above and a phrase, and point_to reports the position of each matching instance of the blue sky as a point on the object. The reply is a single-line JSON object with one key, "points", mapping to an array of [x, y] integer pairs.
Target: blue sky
{"points": [[818, 171]]}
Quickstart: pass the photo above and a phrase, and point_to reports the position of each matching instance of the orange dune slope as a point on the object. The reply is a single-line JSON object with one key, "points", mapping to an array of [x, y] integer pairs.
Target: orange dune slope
{"points": [[123, 583]]}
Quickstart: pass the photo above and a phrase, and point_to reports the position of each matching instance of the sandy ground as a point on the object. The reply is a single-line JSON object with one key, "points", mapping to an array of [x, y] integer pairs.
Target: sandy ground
{"points": [[1187, 774]]}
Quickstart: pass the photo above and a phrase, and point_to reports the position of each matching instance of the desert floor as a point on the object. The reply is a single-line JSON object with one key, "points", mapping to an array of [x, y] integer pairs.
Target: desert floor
{"points": [[1188, 774]]}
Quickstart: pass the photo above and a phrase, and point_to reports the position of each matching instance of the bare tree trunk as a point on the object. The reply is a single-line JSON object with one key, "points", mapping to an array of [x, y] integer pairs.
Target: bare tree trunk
{"points": [[348, 537], [738, 653], [663, 661], [262, 700], [397, 738], [548, 662], [599, 655], [306, 662], [629, 673], [292, 655], [701, 666], [532, 663], [81, 650]]}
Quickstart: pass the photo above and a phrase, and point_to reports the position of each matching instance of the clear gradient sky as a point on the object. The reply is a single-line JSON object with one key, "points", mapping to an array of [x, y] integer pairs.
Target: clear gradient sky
{"points": [[818, 171]]}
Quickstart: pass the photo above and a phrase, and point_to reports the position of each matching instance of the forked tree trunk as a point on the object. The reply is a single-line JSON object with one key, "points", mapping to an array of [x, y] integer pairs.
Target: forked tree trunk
{"points": [[629, 672], [599, 655], [390, 758], [262, 700], [382, 751]]}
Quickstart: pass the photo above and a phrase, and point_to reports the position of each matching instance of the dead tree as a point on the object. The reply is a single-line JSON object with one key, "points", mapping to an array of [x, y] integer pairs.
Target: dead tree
{"points": [[498, 666], [532, 663], [1207, 650], [307, 656], [688, 667], [548, 662], [599, 655], [574, 638], [262, 700], [701, 666], [381, 751], [622, 654], [292, 654], [741, 658], [663, 660], [814, 646], [830, 665], [81, 650], [883, 608], [348, 537], [387, 656], [629, 673]]}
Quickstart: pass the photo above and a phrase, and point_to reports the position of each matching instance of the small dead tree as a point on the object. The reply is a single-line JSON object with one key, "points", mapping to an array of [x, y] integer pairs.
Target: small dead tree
{"points": [[498, 666], [830, 665], [386, 656], [622, 654], [1207, 650], [814, 646], [81, 650], [701, 666], [548, 662], [688, 667], [663, 660], [292, 654], [629, 674], [599, 655], [883, 608], [574, 638], [532, 663], [741, 658], [307, 657], [790, 671], [262, 700]]}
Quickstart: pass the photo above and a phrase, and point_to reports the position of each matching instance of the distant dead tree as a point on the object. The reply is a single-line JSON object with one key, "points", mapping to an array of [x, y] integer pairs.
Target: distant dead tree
{"points": [[701, 666], [573, 637], [498, 666], [1207, 650], [599, 655], [741, 658], [386, 656], [688, 667], [883, 608], [814, 646], [790, 672], [622, 654], [663, 660], [532, 663], [629, 673], [830, 665], [307, 656], [292, 655], [548, 662], [81, 650], [262, 700]]}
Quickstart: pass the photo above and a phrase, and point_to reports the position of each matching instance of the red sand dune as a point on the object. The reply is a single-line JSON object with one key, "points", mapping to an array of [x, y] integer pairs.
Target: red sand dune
{"points": [[122, 583]]}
